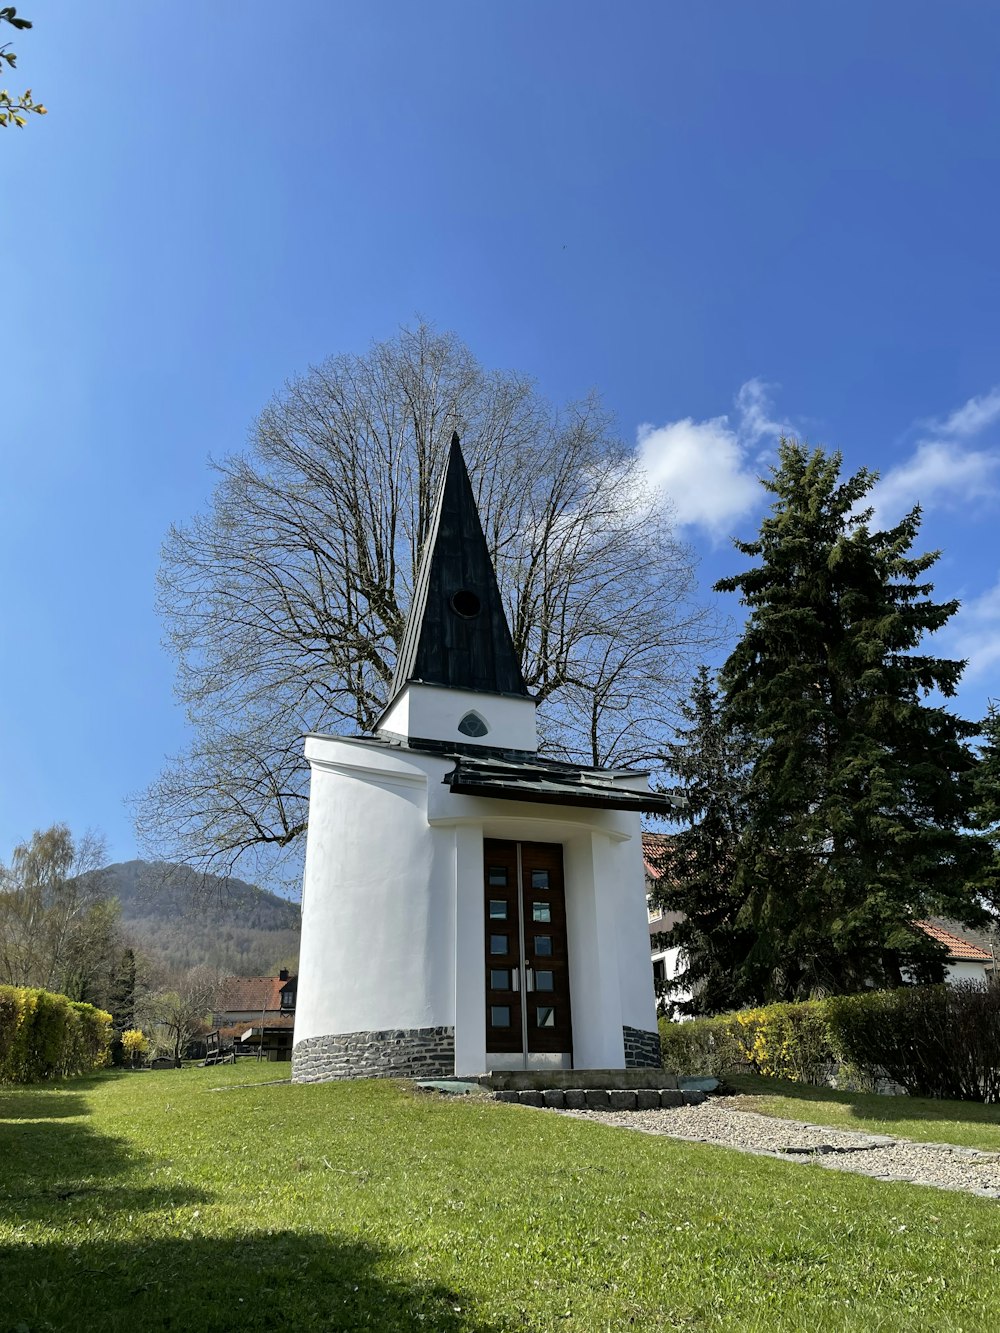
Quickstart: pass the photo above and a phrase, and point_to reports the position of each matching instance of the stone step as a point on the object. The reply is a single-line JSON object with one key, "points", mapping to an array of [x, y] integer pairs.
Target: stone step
{"points": [[539, 1080], [602, 1099]]}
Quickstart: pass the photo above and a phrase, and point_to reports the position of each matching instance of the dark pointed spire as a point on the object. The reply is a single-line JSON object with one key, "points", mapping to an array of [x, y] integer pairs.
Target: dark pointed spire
{"points": [[457, 633]]}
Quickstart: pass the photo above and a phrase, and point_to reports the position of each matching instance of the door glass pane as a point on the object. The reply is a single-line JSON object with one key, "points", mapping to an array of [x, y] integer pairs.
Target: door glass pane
{"points": [[498, 944], [544, 981], [498, 909], [500, 1015], [546, 1017], [541, 912], [539, 879], [499, 978], [498, 876], [543, 946]]}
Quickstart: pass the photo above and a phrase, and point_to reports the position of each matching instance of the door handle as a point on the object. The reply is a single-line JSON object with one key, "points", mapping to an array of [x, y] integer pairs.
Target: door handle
{"points": [[515, 979], [529, 978]]}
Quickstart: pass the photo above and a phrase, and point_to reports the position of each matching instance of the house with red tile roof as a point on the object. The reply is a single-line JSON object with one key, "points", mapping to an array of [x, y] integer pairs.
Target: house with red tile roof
{"points": [[967, 960], [971, 955], [256, 1015]]}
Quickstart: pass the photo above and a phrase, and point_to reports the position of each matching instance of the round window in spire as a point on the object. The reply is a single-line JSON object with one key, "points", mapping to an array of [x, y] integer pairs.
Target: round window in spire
{"points": [[473, 724], [466, 604]]}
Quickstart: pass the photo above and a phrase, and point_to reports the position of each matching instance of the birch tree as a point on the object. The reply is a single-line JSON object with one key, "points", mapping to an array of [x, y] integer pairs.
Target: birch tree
{"points": [[58, 930]]}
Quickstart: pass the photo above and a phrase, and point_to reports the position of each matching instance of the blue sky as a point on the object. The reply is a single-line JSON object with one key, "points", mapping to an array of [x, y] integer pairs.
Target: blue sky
{"points": [[726, 218]]}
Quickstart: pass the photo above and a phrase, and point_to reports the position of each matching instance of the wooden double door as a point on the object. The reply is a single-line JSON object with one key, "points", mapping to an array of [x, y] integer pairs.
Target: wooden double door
{"points": [[528, 1019]]}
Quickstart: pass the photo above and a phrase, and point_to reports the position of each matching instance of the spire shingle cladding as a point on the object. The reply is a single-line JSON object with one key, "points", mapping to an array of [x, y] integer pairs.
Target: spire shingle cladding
{"points": [[457, 633]]}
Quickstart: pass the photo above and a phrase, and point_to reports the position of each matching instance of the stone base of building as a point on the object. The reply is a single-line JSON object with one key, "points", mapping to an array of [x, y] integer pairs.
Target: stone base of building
{"points": [[393, 1053], [642, 1049]]}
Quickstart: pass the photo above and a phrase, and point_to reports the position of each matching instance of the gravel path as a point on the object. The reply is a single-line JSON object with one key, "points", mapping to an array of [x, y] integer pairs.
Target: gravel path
{"points": [[717, 1121]]}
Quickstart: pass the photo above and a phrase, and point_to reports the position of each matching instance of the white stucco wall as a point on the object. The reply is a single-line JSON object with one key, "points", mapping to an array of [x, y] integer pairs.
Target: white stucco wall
{"points": [[433, 712], [378, 898], [635, 968], [393, 904], [591, 929]]}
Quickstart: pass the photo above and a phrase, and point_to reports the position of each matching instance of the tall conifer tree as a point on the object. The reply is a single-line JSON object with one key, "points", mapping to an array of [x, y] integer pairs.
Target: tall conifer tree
{"points": [[859, 797], [986, 807], [711, 761]]}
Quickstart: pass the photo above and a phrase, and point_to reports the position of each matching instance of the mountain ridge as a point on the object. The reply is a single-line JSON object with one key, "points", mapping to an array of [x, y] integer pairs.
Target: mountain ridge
{"points": [[181, 917]]}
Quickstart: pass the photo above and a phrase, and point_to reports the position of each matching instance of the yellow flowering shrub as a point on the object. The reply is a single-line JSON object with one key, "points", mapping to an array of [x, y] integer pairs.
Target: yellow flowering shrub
{"points": [[776, 1040], [134, 1044], [784, 1040]]}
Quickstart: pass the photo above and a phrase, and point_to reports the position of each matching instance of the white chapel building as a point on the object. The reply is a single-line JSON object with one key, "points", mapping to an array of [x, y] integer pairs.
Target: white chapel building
{"points": [[468, 906]]}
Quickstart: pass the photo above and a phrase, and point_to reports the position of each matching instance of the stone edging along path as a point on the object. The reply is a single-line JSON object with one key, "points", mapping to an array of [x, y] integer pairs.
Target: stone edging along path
{"points": [[718, 1122]]}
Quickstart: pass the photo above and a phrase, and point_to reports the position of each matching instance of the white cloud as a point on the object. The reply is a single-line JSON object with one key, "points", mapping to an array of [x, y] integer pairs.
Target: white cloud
{"points": [[977, 631], [753, 407], [943, 472], [973, 416], [708, 470], [940, 473], [701, 467]]}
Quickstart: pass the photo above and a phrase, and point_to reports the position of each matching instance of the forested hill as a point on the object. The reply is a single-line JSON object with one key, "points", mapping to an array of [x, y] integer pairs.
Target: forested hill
{"points": [[182, 918]]}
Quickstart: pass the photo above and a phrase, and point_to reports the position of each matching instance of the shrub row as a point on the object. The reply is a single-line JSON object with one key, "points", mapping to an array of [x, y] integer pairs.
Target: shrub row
{"points": [[777, 1040], [48, 1036], [935, 1041]]}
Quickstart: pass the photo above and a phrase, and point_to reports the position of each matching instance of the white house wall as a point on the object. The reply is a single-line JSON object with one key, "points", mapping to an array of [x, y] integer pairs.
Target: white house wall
{"points": [[671, 959], [964, 970], [961, 970], [470, 959]]}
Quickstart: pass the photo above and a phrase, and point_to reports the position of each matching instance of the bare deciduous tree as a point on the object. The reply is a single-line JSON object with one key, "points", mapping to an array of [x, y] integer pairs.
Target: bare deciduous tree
{"points": [[176, 1013], [286, 602]]}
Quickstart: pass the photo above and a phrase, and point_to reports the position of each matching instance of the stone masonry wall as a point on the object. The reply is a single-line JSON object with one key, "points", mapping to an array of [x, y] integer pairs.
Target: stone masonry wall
{"points": [[394, 1053], [642, 1049]]}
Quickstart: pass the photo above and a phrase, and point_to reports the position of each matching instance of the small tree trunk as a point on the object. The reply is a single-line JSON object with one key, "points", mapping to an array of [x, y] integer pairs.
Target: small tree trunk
{"points": [[890, 963]]}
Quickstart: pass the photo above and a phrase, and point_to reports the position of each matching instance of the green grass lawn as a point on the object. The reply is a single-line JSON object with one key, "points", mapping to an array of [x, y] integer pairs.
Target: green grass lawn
{"points": [[149, 1201], [930, 1120]]}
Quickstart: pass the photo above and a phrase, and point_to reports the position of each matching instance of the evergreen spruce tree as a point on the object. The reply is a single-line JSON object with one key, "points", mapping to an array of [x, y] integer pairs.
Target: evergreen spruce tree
{"points": [[122, 997], [711, 761], [985, 788], [859, 797]]}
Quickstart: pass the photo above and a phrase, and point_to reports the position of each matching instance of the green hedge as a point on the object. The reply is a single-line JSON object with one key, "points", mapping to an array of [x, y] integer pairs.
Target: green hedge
{"points": [[935, 1041], [48, 1036]]}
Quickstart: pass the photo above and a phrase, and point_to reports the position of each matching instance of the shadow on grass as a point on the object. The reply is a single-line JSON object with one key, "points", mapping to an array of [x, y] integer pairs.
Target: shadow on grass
{"points": [[51, 1170], [41, 1106], [65, 1182], [74, 1083], [867, 1105], [51, 1166], [206, 1285]]}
